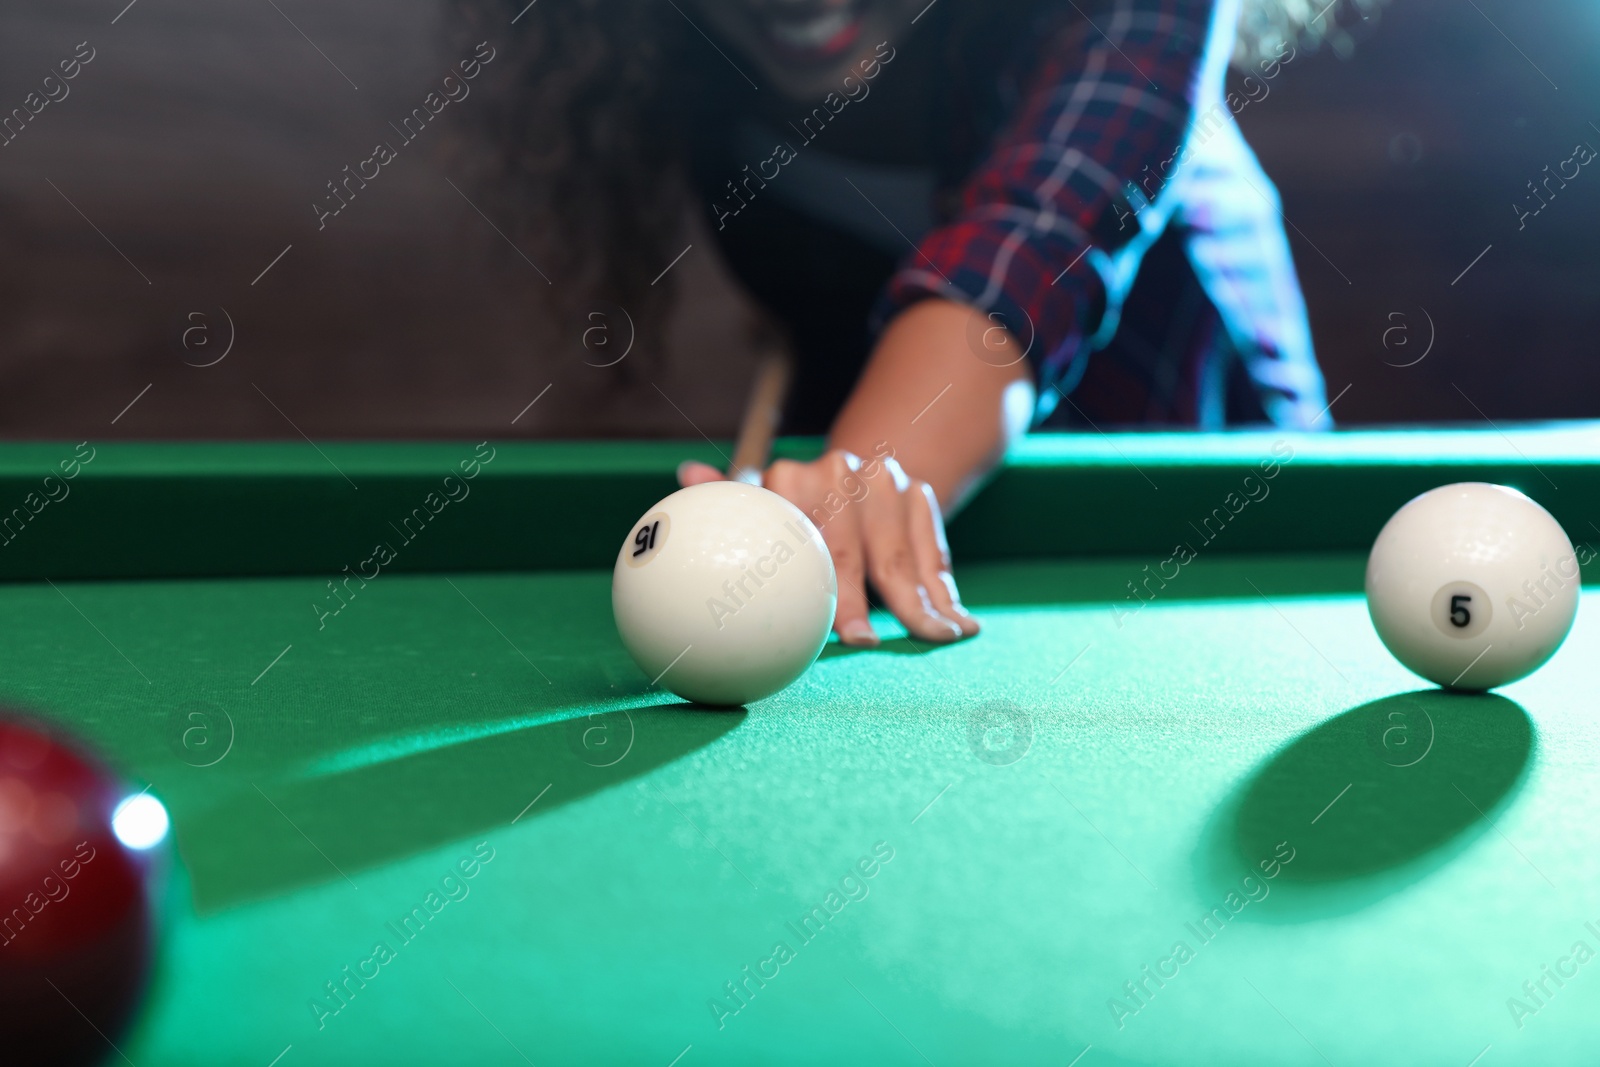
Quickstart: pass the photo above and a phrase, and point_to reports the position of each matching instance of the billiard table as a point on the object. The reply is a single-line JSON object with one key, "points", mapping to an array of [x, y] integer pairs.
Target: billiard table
{"points": [[1175, 804]]}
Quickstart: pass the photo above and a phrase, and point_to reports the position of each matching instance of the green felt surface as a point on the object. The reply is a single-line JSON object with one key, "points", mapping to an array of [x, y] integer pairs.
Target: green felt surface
{"points": [[666, 848]]}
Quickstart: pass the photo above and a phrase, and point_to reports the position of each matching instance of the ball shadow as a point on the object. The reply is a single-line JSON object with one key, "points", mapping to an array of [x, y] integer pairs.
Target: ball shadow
{"points": [[259, 842], [1369, 802]]}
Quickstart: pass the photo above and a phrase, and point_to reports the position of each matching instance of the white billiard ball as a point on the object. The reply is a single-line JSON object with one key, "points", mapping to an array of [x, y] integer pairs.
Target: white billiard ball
{"points": [[724, 593], [1472, 585]]}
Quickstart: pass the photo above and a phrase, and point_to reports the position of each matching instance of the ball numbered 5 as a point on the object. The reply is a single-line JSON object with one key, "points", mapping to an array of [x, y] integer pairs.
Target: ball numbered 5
{"points": [[1472, 585]]}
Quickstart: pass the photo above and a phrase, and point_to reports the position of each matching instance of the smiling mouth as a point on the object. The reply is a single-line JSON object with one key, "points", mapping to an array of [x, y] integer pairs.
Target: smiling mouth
{"points": [[815, 38]]}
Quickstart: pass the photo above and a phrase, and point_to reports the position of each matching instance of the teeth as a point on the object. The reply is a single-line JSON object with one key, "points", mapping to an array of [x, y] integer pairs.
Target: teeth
{"points": [[812, 33]]}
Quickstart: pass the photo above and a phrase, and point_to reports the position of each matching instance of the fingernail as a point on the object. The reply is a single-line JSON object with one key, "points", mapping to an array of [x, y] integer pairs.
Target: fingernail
{"points": [[965, 621], [962, 617], [955, 598], [858, 633], [683, 470]]}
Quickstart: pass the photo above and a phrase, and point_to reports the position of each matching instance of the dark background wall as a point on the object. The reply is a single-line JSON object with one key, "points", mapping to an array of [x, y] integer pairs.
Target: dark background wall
{"points": [[1401, 165], [138, 214]]}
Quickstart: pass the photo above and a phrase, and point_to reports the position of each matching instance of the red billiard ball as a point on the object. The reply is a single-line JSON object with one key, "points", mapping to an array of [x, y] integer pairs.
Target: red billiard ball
{"points": [[76, 929]]}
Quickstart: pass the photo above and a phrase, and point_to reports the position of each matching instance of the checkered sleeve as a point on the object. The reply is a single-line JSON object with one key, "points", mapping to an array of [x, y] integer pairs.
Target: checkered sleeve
{"points": [[1052, 222]]}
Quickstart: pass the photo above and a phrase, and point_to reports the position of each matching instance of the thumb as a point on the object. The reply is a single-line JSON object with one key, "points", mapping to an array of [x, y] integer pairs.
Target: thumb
{"points": [[693, 472]]}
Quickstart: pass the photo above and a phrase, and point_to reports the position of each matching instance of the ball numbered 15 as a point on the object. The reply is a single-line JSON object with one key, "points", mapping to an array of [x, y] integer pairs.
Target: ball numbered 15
{"points": [[724, 593]]}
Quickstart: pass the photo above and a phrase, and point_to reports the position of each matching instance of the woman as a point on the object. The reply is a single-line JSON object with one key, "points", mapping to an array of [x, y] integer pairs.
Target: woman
{"points": [[970, 217]]}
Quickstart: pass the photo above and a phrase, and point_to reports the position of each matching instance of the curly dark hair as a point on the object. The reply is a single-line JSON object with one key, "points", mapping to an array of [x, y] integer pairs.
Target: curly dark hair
{"points": [[581, 133], [578, 141]]}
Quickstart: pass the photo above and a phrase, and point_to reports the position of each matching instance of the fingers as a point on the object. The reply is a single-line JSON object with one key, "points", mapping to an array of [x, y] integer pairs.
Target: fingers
{"points": [[804, 483], [843, 537], [932, 554], [882, 527], [892, 563], [693, 472]]}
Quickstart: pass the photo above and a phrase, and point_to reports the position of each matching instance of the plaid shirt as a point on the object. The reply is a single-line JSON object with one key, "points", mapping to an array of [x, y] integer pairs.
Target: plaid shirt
{"points": [[1124, 233]]}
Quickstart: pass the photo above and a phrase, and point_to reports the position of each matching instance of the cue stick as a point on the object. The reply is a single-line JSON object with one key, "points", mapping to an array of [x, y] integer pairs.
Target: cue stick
{"points": [[762, 413]]}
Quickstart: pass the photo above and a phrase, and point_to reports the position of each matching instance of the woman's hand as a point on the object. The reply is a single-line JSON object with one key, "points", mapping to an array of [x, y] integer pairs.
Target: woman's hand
{"points": [[881, 526], [951, 390]]}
